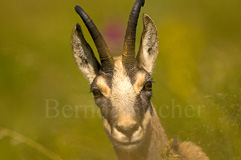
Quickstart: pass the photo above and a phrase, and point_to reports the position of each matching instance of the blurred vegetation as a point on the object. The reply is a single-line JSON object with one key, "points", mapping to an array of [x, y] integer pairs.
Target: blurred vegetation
{"points": [[198, 65]]}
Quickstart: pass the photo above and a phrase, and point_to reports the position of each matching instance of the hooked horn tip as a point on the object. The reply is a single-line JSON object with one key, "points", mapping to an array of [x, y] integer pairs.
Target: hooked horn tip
{"points": [[78, 10]]}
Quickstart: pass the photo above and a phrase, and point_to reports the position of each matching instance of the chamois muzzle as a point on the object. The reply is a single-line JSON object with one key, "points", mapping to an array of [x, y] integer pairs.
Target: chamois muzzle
{"points": [[103, 50], [128, 56]]}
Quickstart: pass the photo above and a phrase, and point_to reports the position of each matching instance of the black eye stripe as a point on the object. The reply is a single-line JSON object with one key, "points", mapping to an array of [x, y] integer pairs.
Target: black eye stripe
{"points": [[96, 93], [108, 78]]}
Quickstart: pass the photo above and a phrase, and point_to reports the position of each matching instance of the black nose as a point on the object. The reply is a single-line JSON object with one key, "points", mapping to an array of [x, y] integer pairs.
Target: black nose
{"points": [[127, 130]]}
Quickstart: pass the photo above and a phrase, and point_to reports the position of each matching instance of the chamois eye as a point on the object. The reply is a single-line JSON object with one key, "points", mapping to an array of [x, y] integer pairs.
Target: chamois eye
{"points": [[148, 86], [96, 93]]}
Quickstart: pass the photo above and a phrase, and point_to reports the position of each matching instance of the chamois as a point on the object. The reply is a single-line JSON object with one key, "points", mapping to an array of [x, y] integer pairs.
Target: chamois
{"points": [[122, 89]]}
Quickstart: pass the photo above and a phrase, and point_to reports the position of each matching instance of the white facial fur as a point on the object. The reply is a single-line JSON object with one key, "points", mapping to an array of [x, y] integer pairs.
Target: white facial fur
{"points": [[123, 101], [122, 96]]}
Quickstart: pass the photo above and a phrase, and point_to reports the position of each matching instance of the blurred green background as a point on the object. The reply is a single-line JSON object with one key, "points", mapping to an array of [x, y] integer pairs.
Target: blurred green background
{"points": [[198, 65]]}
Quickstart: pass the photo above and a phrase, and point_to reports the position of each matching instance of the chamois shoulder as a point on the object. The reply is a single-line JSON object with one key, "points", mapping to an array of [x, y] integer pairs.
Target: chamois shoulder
{"points": [[189, 151]]}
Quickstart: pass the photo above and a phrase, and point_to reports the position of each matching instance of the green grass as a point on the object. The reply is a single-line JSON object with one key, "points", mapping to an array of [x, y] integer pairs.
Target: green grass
{"points": [[198, 65]]}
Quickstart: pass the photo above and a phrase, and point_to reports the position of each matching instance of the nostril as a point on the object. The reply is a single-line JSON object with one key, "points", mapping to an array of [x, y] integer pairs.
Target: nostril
{"points": [[127, 130], [134, 127]]}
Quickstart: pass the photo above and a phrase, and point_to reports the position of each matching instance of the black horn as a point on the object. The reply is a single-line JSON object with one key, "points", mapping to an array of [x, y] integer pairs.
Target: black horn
{"points": [[128, 56], [103, 50]]}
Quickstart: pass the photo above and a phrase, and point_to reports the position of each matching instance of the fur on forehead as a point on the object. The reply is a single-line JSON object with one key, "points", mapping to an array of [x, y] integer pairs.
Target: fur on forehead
{"points": [[133, 74], [136, 75]]}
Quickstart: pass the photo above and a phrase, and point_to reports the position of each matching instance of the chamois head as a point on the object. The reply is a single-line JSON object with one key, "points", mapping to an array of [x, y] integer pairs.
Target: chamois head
{"points": [[122, 86]]}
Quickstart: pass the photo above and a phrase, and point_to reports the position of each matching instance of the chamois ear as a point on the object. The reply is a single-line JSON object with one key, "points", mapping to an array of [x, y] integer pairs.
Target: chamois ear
{"points": [[83, 55], [149, 46]]}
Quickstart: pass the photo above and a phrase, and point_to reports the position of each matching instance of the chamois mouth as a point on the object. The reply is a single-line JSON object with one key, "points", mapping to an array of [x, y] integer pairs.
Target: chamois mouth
{"points": [[128, 144]]}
